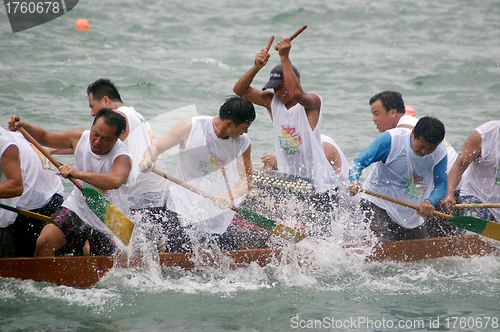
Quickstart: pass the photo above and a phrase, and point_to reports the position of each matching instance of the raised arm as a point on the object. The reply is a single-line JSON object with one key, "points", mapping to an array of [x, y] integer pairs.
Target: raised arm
{"points": [[471, 150], [244, 89], [310, 101]]}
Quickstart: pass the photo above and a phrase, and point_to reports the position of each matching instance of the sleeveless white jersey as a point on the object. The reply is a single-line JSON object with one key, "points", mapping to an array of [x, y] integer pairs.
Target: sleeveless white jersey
{"points": [[202, 164], [298, 147], [88, 161], [40, 181], [482, 178], [404, 176], [144, 190]]}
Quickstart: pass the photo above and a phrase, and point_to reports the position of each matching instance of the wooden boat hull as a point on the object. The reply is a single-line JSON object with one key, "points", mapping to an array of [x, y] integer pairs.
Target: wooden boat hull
{"points": [[88, 270]]}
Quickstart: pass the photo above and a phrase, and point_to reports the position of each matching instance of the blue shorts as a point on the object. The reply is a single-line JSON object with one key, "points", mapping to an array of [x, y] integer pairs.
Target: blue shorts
{"points": [[481, 213], [77, 232]]}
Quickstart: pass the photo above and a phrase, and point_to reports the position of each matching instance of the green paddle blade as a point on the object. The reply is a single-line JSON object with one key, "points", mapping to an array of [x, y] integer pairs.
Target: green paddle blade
{"points": [[110, 215], [272, 226], [486, 228]]}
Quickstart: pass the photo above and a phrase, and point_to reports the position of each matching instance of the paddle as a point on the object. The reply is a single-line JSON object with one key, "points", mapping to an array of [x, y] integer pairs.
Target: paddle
{"points": [[27, 213], [269, 43], [270, 225], [110, 215], [298, 32], [484, 227], [478, 206]]}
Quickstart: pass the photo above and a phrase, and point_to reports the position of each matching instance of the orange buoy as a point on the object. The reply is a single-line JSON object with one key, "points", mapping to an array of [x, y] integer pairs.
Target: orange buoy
{"points": [[410, 110], [82, 24]]}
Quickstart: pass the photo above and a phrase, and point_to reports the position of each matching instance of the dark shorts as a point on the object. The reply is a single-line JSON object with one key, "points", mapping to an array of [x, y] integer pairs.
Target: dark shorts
{"points": [[384, 227], [6, 247], [77, 232], [27, 229]]}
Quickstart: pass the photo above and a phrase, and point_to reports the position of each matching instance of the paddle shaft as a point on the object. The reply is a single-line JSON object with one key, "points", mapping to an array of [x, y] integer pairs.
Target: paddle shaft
{"points": [[477, 206], [47, 154], [400, 202], [298, 32], [188, 186], [269, 43], [28, 213]]}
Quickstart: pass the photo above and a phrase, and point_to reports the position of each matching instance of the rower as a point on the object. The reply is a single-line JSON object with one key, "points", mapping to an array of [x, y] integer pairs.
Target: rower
{"points": [[412, 167], [214, 156], [145, 191], [102, 161], [27, 183], [297, 118]]}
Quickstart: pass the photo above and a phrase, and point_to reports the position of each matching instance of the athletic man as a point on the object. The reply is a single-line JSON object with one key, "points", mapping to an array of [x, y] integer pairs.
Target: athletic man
{"points": [[102, 161]]}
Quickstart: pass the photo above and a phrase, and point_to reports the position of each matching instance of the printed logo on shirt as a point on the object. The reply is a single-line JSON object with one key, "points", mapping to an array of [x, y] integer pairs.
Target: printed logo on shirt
{"points": [[414, 187], [211, 170], [290, 141]]}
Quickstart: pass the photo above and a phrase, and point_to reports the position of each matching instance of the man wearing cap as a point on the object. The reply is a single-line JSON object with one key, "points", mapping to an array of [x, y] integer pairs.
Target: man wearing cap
{"points": [[296, 117]]}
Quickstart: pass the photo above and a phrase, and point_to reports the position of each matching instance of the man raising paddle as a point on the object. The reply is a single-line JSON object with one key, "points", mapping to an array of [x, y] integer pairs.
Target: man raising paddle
{"points": [[297, 119], [102, 161]]}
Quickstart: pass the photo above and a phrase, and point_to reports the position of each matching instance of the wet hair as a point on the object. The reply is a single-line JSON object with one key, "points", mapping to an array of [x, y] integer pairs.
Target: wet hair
{"points": [[430, 129], [112, 118], [390, 100], [103, 87], [238, 110]]}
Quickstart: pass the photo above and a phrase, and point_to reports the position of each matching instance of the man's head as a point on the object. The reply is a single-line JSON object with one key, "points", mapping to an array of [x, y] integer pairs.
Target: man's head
{"points": [[101, 94], [427, 135], [387, 107], [240, 111], [276, 77], [107, 127]]}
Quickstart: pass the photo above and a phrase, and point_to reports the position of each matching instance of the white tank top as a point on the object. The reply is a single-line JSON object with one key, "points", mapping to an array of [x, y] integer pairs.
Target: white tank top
{"points": [[40, 181], [298, 147], [201, 164], [482, 178], [88, 161], [144, 190], [404, 176]]}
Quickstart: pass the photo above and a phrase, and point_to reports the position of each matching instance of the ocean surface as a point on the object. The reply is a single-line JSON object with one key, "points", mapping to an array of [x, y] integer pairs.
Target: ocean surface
{"points": [[443, 56]]}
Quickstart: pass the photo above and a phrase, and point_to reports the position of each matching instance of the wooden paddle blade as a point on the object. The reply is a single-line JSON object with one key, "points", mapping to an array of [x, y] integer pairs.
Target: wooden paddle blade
{"points": [[486, 228], [283, 231], [110, 215]]}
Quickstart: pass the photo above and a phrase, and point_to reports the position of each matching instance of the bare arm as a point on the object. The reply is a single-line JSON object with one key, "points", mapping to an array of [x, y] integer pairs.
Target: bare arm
{"points": [[117, 175], [11, 167], [244, 89], [178, 134], [333, 156], [310, 101], [58, 140], [471, 150]]}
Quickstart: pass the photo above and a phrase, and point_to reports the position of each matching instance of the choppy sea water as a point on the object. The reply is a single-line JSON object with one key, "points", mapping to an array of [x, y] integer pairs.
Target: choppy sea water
{"points": [[442, 56]]}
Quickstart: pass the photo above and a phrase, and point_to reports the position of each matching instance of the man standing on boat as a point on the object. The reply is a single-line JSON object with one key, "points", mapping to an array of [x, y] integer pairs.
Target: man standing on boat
{"points": [[412, 168], [145, 191], [102, 161], [478, 167], [297, 119], [214, 156], [29, 184]]}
